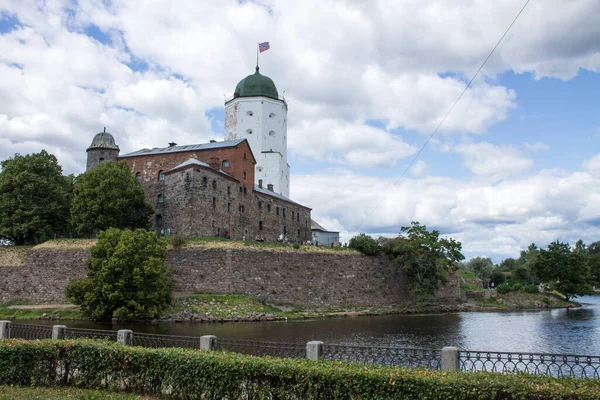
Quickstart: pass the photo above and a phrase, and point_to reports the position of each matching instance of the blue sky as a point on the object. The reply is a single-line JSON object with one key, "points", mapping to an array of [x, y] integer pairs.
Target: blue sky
{"points": [[517, 161]]}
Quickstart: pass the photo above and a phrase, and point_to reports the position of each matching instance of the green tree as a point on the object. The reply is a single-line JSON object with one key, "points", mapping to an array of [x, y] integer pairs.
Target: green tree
{"points": [[508, 264], [34, 198], [108, 196], [497, 277], [126, 277], [482, 267], [593, 251], [566, 270], [365, 244], [425, 257]]}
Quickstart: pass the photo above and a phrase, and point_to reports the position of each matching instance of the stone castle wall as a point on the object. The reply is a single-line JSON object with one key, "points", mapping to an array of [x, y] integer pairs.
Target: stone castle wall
{"points": [[311, 279]]}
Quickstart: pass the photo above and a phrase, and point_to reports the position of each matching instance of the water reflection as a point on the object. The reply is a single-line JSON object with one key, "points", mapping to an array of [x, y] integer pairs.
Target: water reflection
{"points": [[556, 331]]}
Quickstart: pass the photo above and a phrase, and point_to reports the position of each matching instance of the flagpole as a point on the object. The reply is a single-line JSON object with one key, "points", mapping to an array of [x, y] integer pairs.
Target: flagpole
{"points": [[257, 55]]}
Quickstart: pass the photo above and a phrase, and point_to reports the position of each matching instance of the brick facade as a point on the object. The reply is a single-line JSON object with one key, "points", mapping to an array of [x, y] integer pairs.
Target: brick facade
{"points": [[213, 199]]}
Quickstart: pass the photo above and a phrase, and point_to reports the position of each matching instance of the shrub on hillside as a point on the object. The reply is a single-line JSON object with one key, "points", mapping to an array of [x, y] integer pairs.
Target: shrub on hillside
{"points": [[126, 277], [531, 289], [503, 289], [177, 242], [517, 287], [365, 244]]}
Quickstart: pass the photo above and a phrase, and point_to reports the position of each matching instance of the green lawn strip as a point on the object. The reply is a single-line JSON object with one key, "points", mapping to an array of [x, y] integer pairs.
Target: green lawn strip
{"points": [[44, 393], [11, 313]]}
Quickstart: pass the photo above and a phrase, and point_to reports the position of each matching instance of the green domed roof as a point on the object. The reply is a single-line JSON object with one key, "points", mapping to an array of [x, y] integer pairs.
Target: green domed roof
{"points": [[256, 85], [103, 140]]}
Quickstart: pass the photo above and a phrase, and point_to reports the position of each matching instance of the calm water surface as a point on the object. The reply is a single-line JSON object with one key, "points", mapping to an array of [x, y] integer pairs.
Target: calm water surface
{"points": [[550, 331]]}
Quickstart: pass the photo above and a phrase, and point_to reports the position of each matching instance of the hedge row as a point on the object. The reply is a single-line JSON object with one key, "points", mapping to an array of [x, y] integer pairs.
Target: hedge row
{"points": [[192, 374]]}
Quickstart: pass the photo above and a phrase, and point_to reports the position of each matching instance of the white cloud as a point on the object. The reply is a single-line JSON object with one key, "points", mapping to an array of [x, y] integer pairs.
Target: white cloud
{"points": [[491, 220], [593, 165], [536, 147], [493, 161], [355, 144], [419, 169]]}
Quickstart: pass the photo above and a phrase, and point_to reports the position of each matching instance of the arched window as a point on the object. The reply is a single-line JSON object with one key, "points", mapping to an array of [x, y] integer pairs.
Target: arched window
{"points": [[249, 131], [244, 175], [160, 198], [272, 133], [204, 181], [225, 164], [138, 176], [228, 189], [161, 175], [214, 184], [249, 113], [272, 115], [101, 160]]}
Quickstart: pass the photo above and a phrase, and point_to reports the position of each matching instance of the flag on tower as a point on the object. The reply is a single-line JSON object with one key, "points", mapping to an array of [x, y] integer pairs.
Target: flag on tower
{"points": [[264, 46]]}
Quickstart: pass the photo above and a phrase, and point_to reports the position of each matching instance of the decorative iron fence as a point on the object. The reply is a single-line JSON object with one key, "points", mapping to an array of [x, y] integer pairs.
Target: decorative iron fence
{"points": [[396, 356], [30, 331], [79, 333], [154, 340], [262, 348], [447, 359], [556, 365]]}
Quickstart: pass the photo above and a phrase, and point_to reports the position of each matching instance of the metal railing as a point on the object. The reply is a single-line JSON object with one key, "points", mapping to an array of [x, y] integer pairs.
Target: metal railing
{"points": [[555, 365], [78, 333], [446, 359], [263, 348], [154, 340], [396, 356], [30, 331]]}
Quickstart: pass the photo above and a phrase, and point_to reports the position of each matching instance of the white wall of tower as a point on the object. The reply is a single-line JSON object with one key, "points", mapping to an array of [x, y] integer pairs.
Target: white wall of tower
{"points": [[263, 122]]}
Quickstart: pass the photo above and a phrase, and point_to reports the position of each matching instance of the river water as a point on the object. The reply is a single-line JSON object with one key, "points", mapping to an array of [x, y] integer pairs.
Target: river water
{"points": [[576, 331]]}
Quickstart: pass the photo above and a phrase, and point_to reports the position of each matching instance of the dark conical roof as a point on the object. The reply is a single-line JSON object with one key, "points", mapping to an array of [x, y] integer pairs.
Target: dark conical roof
{"points": [[256, 85], [103, 140]]}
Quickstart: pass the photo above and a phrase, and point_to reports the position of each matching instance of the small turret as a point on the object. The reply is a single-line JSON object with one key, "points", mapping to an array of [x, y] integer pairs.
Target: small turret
{"points": [[102, 149]]}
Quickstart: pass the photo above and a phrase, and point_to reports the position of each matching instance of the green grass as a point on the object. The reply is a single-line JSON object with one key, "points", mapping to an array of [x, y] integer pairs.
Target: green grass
{"points": [[463, 273], [43, 393], [470, 287], [10, 313]]}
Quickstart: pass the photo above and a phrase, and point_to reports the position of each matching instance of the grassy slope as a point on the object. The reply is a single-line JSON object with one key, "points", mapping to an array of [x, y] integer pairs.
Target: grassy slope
{"points": [[41, 393], [13, 256]]}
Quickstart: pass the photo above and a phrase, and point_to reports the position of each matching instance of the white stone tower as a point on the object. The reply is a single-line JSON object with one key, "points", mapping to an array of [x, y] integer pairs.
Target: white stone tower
{"points": [[258, 114]]}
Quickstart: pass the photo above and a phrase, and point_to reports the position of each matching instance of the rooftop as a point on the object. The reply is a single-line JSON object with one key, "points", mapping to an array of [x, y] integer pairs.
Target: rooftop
{"points": [[276, 195], [190, 147]]}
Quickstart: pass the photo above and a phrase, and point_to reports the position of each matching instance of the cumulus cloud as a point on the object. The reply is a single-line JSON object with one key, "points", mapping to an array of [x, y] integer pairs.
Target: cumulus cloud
{"points": [[536, 147], [493, 161], [490, 220], [342, 142]]}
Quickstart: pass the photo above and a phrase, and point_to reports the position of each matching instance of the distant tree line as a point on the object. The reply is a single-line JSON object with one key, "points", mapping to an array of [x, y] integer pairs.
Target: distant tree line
{"points": [[571, 271], [37, 202]]}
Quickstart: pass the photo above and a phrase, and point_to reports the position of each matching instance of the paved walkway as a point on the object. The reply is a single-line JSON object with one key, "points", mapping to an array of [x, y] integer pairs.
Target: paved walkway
{"points": [[41, 306]]}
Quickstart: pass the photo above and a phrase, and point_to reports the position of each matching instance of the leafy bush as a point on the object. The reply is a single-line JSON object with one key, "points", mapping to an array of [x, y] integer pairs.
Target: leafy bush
{"points": [[531, 289], [177, 242], [517, 287], [546, 300], [126, 277], [296, 246], [503, 289], [365, 244], [192, 374]]}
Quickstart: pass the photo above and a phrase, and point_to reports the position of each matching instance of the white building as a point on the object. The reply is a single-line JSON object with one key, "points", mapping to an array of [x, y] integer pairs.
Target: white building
{"points": [[258, 114]]}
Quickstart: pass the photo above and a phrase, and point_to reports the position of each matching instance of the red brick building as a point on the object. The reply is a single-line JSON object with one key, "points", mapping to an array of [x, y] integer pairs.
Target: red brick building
{"points": [[209, 190]]}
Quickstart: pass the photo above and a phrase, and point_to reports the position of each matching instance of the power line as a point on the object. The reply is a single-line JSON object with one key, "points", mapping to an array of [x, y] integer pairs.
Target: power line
{"points": [[448, 113]]}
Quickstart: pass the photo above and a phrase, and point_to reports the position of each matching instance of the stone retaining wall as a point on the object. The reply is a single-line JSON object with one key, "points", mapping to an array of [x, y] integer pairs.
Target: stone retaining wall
{"points": [[312, 279]]}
